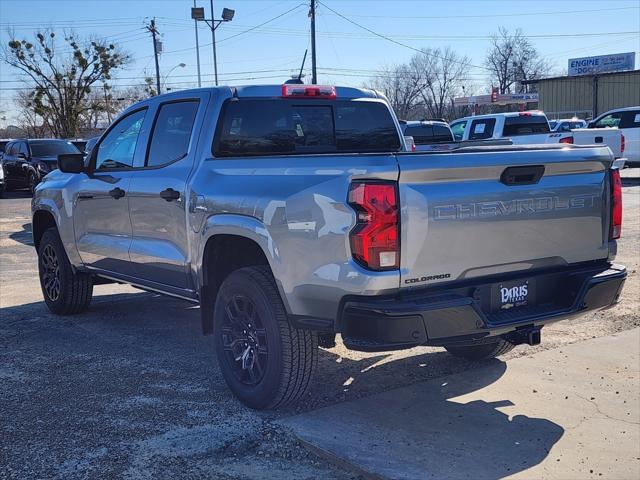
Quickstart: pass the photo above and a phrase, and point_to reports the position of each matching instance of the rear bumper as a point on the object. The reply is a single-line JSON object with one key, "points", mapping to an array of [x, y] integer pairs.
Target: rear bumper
{"points": [[463, 313]]}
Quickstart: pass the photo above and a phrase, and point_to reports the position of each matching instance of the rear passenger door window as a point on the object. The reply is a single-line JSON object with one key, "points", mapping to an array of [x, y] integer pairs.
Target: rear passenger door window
{"points": [[482, 128], [171, 133]]}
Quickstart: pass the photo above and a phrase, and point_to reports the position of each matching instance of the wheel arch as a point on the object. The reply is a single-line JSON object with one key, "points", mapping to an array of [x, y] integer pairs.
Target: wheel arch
{"points": [[231, 242], [41, 221]]}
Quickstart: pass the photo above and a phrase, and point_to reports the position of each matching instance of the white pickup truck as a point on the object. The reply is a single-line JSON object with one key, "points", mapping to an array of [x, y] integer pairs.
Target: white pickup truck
{"points": [[531, 128]]}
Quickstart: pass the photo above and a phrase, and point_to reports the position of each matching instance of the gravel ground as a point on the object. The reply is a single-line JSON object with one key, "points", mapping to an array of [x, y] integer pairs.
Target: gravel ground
{"points": [[131, 389]]}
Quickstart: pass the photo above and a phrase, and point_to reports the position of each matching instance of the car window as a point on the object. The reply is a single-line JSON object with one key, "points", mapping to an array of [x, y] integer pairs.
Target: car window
{"points": [[44, 148], [525, 124], [117, 148], [458, 130], [22, 148], [552, 124], [252, 127], [482, 128], [11, 149], [171, 133], [442, 133], [609, 121], [630, 119], [422, 134]]}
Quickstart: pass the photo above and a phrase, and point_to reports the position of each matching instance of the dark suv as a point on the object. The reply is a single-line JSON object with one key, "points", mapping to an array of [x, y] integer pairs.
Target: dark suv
{"points": [[25, 161]]}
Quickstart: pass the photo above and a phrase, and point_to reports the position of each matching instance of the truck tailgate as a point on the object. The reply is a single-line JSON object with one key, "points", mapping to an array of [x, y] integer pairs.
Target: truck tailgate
{"points": [[477, 212], [611, 137]]}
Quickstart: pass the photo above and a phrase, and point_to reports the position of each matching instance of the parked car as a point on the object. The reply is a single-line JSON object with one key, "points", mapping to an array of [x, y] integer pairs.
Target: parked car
{"points": [[566, 124], [3, 146], [428, 135], [290, 213], [628, 121], [1, 179], [27, 161], [529, 128]]}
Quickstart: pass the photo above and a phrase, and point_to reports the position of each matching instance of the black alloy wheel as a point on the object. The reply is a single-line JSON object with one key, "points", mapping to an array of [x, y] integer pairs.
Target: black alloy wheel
{"points": [[245, 340], [50, 273]]}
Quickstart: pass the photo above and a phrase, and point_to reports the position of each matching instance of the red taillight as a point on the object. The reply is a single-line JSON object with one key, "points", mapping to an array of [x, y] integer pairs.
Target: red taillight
{"points": [[374, 239], [309, 91], [413, 147], [566, 140], [621, 144], [616, 205]]}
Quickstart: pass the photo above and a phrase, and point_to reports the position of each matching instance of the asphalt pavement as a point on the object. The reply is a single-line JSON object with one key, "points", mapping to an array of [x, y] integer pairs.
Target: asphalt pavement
{"points": [[131, 389]]}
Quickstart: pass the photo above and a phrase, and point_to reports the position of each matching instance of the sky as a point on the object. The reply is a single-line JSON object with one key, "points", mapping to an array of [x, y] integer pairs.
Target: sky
{"points": [[266, 40]]}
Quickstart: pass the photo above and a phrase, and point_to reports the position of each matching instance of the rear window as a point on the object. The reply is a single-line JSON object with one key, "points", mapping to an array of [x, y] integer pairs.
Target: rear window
{"points": [[252, 127], [51, 148], [525, 125]]}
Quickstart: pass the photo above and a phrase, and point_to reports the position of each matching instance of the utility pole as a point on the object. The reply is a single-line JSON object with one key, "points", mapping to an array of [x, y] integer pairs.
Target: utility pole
{"points": [[154, 31], [312, 14], [195, 22], [213, 40]]}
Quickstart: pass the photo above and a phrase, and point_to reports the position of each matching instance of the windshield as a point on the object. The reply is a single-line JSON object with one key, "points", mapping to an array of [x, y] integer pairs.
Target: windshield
{"points": [[51, 148]]}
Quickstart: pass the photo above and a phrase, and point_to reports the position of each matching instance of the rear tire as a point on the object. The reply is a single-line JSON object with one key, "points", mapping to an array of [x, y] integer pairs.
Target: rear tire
{"points": [[481, 351], [65, 291], [264, 360]]}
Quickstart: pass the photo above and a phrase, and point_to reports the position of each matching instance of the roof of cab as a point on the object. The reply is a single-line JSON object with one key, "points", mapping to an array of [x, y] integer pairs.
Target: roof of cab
{"points": [[268, 91], [503, 114]]}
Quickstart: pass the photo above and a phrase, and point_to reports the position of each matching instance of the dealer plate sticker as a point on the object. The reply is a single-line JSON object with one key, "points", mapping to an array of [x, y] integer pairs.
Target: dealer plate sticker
{"points": [[508, 295]]}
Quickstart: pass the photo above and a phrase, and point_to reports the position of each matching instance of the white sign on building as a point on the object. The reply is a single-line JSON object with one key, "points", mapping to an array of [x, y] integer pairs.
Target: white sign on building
{"points": [[603, 63]]}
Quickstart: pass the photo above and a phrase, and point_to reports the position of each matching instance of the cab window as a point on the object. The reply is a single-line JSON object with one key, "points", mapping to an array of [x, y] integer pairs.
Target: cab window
{"points": [[118, 147], [609, 121], [458, 130]]}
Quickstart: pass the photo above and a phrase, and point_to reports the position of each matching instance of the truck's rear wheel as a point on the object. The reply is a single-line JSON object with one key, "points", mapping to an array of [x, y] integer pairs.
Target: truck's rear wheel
{"points": [[65, 291], [481, 351], [264, 360]]}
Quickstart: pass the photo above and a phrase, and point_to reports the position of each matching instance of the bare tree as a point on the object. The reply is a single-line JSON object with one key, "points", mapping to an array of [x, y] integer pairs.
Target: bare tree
{"points": [[426, 86], [402, 88], [33, 125], [512, 59], [62, 81], [444, 72]]}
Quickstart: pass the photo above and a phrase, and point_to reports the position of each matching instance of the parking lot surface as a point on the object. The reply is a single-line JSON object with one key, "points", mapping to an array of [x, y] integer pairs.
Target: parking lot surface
{"points": [[131, 388]]}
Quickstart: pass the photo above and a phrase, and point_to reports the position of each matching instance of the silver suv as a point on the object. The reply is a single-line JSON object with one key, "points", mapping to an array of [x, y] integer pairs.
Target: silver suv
{"points": [[291, 213]]}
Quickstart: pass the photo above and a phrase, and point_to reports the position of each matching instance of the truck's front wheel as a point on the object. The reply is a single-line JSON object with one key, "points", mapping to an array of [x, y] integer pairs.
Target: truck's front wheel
{"points": [[481, 351], [65, 290], [265, 361]]}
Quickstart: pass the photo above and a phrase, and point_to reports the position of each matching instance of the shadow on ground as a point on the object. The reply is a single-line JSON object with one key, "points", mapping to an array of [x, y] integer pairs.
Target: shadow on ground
{"points": [[131, 385]]}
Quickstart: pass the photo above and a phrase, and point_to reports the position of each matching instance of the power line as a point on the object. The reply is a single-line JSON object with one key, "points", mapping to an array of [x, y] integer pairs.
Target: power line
{"points": [[493, 15], [395, 41]]}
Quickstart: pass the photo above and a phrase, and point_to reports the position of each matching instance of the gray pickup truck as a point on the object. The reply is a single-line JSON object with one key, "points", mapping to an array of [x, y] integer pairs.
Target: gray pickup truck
{"points": [[292, 213]]}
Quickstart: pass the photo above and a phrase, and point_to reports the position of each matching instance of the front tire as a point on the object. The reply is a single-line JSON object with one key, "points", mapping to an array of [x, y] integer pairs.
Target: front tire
{"points": [[33, 183], [264, 360], [481, 351], [65, 291]]}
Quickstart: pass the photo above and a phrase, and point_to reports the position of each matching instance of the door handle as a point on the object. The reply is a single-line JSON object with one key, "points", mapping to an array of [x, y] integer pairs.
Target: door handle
{"points": [[170, 194], [116, 193]]}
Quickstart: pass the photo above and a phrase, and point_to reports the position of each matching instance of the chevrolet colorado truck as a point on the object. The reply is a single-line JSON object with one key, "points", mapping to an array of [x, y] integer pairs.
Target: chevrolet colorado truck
{"points": [[292, 213]]}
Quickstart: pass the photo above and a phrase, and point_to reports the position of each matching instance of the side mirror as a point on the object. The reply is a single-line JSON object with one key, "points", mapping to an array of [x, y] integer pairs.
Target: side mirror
{"points": [[71, 162]]}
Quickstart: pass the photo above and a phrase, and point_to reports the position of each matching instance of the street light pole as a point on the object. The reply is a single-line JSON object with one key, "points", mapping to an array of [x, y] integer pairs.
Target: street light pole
{"points": [[312, 14], [213, 39], [195, 22]]}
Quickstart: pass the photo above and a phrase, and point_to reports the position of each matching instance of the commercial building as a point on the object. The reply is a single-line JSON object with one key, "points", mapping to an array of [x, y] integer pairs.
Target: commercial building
{"points": [[586, 96]]}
